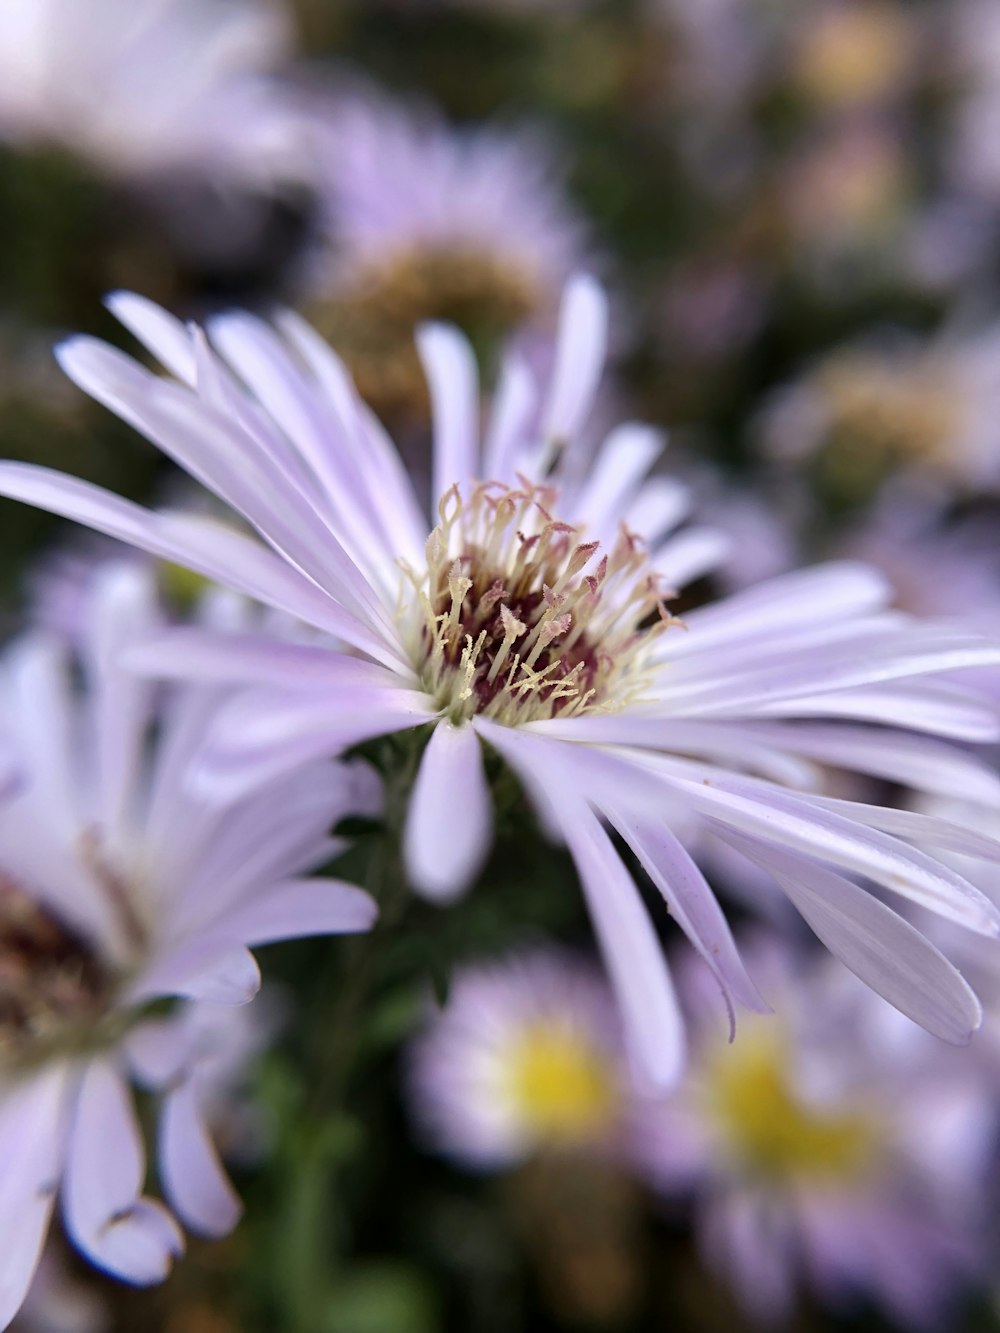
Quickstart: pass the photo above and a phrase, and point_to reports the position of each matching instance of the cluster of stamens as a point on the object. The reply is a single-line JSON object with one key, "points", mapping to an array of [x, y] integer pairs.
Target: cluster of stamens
{"points": [[51, 982], [521, 619]]}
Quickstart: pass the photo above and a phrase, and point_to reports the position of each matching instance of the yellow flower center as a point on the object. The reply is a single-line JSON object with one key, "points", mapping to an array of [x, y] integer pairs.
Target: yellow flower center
{"points": [[520, 619], [561, 1086], [765, 1124]]}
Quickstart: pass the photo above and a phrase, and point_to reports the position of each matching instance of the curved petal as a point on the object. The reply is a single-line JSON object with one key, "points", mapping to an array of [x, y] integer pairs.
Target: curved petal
{"points": [[301, 907], [194, 1181], [32, 1130], [877, 944], [449, 824], [222, 971], [116, 1228]]}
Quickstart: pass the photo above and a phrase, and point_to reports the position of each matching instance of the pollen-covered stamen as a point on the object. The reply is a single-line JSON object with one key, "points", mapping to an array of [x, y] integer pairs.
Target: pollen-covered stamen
{"points": [[53, 985], [521, 618]]}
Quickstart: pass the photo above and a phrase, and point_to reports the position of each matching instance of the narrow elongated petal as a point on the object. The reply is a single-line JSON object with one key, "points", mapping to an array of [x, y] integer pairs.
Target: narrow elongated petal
{"points": [[693, 905], [580, 351], [877, 944], [449, 825], [631, 950], [194, 1181], [450, 367], [296, 908]]}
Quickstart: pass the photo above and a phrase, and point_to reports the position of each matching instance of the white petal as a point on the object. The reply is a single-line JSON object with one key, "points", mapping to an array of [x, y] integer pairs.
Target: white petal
{"points": [[32, 1130], [450, 367], [297, 908], [878, 945], [105, 1166], [632, 953], [194, 1182], [449, 825], [580, 352], [164, 335], [222, 971]]}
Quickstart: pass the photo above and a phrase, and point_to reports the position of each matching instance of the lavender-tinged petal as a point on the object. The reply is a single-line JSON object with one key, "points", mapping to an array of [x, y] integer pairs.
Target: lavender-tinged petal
{"points": [[124, 611], [691, 903], [690, 555], [631, 950], [791, 822], [190, 653], [928, 830], [230, 460], [239, 562], [828, 593], [261, 735], [32, 1130], [161, 333], [219, 970], [194, 1182], [726, 743], [926, 765], [371, 455], [932, 707], [449, 824], [105, 1167], [877, 944], [508, 430], [297, 908], [453, 380], [658, 507], [580, 352], [614, 478]]}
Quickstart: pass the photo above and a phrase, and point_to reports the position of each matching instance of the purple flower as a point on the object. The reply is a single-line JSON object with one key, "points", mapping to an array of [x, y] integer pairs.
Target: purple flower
{"points": [[119, 887], [836, 1147], [525, 1058], [528, 615], [423, 220]]}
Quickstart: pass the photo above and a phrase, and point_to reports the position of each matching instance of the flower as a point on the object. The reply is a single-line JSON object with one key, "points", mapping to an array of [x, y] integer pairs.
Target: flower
{"points": [[528, 615], [145, 88], [525, 1058], [835, 1147], [422, 220], [896, 404], [119, 888]]}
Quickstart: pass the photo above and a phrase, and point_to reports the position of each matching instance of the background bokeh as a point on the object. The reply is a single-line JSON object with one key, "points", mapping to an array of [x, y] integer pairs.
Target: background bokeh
{"points": [[795, 206]]}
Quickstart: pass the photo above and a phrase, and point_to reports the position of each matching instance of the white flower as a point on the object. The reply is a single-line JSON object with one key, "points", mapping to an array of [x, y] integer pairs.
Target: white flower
{"points": [[527, 615], [119, 887]]}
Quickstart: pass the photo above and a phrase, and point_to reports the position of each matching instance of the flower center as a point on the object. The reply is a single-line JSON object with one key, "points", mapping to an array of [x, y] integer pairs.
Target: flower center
{"points": [[883, 414], [521, 620], [765, 1124], [54, 990], [561, 1086], [371, 323]]}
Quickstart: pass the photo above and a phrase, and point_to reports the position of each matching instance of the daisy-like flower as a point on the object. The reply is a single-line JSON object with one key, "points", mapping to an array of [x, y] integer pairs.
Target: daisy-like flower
{"points": [[836, 1148], [929, 409], [118, 889], [528, 614], [526, 1058], [423, 220], [144, 88]]}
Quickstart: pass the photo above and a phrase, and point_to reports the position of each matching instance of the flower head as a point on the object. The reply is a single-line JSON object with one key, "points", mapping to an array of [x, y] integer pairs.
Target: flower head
{"points": [[525, 1058], [118, 889], [834, 1147], [423, 220], [656, 729]]}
